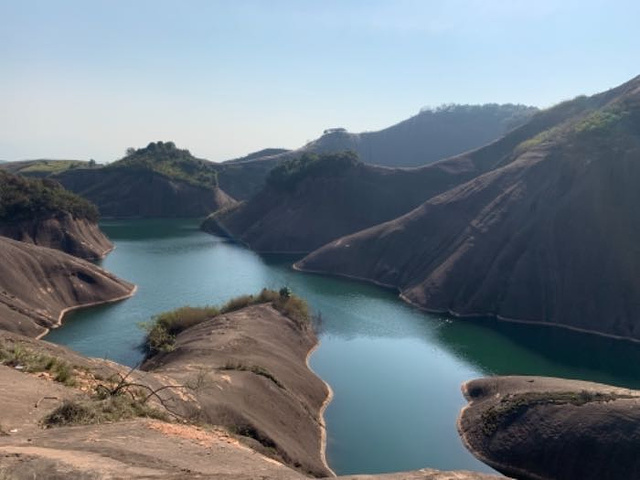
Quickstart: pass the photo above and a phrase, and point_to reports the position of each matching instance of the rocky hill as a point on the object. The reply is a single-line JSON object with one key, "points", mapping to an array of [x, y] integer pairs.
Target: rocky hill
{"points": [[38, 285], [431, 135], [159, 180], [534, 428], [547, 234], [311, 200], [44, 213]]}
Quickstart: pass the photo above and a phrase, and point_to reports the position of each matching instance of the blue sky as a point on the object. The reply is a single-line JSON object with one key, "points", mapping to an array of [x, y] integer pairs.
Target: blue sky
{"points": [[89, 78]]}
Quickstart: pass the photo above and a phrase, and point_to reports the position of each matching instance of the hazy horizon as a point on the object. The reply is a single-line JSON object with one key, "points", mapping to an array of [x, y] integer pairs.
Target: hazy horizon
{"points": [[88, 79]]}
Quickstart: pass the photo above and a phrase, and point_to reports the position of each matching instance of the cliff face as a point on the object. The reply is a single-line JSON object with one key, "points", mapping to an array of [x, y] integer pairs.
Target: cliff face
{"points": [[549, 428], [37, 285], [75, 236], [549, 235], [142, 193]]}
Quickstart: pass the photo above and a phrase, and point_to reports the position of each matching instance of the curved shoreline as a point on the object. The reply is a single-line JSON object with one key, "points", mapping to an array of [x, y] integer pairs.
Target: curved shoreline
{"points": [[64, 311], [455, 314], [323, 407]]}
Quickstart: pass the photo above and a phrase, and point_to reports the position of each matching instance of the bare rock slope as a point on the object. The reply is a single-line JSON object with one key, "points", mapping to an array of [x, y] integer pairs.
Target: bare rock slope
{"points": [[536, 428], [77, 236], [37, 285], [548, 234]]}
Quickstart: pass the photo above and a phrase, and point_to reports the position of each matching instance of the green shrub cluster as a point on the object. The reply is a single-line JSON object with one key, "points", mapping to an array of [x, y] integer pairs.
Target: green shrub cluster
{"points": [[164, 158], [26, 198], [601, 120], [96, 410], [17, 356], [163, 329], [288, 174]]}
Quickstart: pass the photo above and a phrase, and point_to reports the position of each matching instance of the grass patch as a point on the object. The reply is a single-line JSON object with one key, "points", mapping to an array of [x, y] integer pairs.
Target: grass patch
{"points": [[163, 329], [17, 356], [512, 406], [256, 369], [105, 410]]}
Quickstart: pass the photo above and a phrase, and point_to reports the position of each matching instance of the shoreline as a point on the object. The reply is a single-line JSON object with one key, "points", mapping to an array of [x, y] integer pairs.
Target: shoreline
{"points": [[64, 311], [453, 313], [323, 407]]}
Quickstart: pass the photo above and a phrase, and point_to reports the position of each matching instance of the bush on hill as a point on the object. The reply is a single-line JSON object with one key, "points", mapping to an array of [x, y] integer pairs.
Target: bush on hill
{"points": [[168, 160], [288, 174], [163, 329], [27, 198]]}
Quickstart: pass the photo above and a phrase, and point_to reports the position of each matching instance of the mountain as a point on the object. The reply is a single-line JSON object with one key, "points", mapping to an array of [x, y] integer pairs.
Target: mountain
{"points": [[547, 232], [321, 204], [43, 213], [159, 180], [431, 135], [38, 285]]}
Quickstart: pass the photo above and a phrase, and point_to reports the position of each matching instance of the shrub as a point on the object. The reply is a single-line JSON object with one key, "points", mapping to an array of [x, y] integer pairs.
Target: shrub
{"points": [[163, 329], [96, 410]]}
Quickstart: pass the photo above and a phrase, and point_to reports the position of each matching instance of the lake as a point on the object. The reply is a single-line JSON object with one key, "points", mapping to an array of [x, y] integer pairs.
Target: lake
{"points": [[395, 371]]}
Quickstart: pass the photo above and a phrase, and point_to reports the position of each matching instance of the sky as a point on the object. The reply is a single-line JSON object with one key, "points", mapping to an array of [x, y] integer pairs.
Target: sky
{"points": [[90, 78]]}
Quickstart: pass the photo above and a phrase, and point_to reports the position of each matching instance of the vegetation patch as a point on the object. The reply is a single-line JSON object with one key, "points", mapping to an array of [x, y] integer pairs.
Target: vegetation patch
{"points": [[17, 356], [163, 329], [601, 121], [288, 174], [256, 369], [27, 198], [97, 410], [512, 406], [164, 158]]}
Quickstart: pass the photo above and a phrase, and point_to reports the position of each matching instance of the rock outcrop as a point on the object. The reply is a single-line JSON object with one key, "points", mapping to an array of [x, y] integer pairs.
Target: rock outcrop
{"points": [[536, 428], [547, 234], [38, 285], [76, 236]]}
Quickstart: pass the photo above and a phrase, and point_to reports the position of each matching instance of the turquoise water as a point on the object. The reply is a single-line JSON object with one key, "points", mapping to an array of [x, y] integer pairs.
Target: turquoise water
{"points": [[395, 371]]}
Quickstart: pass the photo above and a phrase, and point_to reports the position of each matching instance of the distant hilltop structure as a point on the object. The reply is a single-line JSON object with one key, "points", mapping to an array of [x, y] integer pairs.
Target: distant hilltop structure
{"points": [[329, 131]]}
